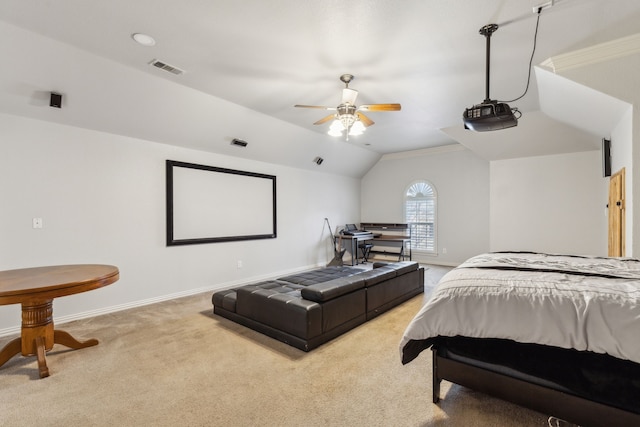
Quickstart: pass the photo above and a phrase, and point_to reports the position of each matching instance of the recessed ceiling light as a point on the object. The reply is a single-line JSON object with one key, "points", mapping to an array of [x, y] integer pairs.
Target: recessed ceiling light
{"points": [[143, 39]]}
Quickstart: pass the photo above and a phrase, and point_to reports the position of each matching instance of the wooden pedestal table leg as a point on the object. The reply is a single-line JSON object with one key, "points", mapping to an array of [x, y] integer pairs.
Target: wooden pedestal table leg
{"points": [[10, 350], [38, 335], [43, 369], [64, 338], [37, 332], [35, 288], [15, 347]]}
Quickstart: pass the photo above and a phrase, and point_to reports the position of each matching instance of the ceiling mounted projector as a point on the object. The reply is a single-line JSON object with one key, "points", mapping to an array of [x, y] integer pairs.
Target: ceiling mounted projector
{"points": [[489, 115]]}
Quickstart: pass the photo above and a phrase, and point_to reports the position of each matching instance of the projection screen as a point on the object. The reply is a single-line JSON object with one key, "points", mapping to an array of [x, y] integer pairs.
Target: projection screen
{"points": [[207, 204]]}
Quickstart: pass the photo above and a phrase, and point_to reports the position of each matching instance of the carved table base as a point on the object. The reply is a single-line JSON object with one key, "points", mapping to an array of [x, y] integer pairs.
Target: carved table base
{"points": [[38, 336], [35, 288]]}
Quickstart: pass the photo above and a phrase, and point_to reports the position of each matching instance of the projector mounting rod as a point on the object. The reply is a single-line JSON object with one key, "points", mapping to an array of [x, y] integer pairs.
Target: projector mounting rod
{"points": [[486, 31]]}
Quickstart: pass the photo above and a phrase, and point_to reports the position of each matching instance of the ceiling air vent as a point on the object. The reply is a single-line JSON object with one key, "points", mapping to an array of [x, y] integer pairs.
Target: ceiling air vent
{"points": [[239, 142], [166, 67]]}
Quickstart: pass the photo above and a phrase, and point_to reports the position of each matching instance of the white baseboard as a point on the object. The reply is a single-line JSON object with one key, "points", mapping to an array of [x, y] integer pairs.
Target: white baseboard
{"points": [[15, 330]]}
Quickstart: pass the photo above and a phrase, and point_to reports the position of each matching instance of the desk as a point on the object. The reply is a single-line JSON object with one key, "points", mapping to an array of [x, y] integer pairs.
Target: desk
{"points": [[35, 288], [390, 234], [392, 240], [354, 239]]}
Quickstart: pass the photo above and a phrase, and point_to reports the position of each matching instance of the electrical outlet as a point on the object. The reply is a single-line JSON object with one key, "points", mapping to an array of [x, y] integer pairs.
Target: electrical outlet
{"points": [[37, 222], [239, 264], [444, 250]]}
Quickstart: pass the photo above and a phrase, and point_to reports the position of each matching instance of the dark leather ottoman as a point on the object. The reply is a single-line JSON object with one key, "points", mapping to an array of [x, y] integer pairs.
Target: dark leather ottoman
{"points": [[308, 309]]}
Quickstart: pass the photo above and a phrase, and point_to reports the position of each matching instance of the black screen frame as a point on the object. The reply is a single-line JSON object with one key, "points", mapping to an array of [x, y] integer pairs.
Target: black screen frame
{"points": [[170, 211]]}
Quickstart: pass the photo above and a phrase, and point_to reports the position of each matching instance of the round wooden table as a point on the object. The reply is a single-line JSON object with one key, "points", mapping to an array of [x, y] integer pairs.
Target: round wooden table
{"points": [[35, 288]]}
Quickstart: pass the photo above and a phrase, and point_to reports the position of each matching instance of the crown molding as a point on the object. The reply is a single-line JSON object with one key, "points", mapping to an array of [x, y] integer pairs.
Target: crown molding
{"points": [[602, 52]]}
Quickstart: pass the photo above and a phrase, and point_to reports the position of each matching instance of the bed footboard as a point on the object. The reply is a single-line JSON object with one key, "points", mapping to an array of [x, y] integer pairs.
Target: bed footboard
{"points": [[543, 399]]}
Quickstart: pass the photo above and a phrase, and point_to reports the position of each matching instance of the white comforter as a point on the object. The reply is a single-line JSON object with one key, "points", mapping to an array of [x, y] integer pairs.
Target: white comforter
{"points": [[584, 303]]}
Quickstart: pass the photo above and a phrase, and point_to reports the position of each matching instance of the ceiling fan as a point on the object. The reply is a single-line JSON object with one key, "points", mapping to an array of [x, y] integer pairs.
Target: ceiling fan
{"points": [[348, 117]]}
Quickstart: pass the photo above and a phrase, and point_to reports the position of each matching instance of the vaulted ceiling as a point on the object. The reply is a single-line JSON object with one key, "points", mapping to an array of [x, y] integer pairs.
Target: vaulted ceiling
{"points": [[247, 62]]}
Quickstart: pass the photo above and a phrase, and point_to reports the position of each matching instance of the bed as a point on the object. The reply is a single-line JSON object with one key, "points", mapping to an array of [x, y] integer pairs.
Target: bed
{"points": [[559, 334]]}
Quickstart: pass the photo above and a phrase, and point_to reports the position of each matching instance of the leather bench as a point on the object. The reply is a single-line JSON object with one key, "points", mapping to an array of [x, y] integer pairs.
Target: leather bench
{"points": [[307, 309]]}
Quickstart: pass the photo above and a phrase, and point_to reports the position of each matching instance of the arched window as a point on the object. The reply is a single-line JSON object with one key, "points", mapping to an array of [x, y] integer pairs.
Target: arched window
{"points": [[420, 215]]}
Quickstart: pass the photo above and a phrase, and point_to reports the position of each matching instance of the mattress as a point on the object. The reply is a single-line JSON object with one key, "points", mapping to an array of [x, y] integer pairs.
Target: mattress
{"points": [[571, 302]]}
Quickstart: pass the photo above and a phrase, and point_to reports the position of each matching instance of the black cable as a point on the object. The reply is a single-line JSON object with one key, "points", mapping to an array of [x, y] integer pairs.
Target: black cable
{"points": [[535, 41]]}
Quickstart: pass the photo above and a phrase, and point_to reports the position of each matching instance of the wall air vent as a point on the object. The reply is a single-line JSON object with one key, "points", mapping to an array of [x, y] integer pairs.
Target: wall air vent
{"points": [[166, 67]]}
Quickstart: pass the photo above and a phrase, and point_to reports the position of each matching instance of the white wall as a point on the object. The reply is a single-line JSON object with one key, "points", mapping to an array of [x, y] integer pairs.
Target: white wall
{"points": [[102, 200], [622, 157], [617, 77], [461, 180], [550, 204]]}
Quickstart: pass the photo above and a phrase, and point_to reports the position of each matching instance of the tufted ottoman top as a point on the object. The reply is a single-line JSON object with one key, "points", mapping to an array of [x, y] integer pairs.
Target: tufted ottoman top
{"points": [[321, 275]]}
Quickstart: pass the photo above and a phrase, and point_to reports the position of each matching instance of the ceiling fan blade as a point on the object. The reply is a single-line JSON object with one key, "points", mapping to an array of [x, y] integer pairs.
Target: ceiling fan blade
{"points": [[380, 107], [349, 96], [325, 119], [366, 121], [315, 106]]}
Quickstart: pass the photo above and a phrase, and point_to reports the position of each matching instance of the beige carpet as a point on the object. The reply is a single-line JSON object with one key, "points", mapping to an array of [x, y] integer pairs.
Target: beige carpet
{"points": [[176, 364]]}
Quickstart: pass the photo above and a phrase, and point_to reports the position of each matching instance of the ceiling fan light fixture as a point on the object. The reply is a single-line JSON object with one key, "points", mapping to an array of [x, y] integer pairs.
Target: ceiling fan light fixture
{"points": [[337, 125], [334, 132], [348, 116], [347, 120], [357, 128]]}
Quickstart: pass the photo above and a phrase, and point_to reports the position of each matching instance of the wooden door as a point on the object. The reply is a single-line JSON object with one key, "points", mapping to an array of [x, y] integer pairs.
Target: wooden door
{"points": [[616, 212]]}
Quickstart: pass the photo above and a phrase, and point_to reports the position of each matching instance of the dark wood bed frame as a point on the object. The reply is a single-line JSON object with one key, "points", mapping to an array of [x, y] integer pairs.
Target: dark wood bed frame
{"points": [[543, 399]]}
